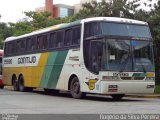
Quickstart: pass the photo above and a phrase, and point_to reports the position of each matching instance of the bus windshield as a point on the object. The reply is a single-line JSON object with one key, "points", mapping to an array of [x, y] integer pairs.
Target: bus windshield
{"points": [[116, 29], [139, 31], [119, 55]]}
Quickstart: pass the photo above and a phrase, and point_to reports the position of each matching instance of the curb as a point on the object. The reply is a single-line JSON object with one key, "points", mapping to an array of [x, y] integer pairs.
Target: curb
{"points": [[144, 96]]}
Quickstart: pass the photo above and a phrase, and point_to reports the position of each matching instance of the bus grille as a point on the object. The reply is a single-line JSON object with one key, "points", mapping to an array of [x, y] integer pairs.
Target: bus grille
{"points": [[132, 78]]}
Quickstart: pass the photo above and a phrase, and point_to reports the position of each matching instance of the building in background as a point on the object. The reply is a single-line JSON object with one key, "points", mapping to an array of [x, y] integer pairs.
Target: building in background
{"points": [[61, 10], [56, 10]]}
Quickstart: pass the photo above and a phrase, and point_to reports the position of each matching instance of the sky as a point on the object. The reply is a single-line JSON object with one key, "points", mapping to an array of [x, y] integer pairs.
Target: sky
{"points": [[12, 10]]}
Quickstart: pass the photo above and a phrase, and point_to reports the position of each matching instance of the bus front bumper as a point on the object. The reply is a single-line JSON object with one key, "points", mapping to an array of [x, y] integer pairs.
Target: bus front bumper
{"points": [[127, 87]]}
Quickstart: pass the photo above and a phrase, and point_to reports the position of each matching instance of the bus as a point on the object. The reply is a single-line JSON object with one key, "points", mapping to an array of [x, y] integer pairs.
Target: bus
{"points": [[1, 56], [100, 55]]}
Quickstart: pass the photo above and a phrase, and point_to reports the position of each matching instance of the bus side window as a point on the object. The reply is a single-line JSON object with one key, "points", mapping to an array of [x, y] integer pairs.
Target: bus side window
{"points": [[23, 45], [18, 46], [28, 44], [59, 40], [76, 35], [45, 41], [33, 44], [52, 40], [9, 48], [68, 37], [39, 42], [13, 47], [6, 49]]}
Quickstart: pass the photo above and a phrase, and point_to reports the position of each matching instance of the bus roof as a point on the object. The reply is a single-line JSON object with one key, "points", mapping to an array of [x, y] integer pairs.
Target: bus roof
{"points": [[115, 19], [48, 29], [78, 22]]}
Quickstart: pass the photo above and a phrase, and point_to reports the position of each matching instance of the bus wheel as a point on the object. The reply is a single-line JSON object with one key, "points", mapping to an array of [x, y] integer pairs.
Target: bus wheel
{"points": [[117, 96], [2, 86], [15, 85], [21, 84], [75, 89]]}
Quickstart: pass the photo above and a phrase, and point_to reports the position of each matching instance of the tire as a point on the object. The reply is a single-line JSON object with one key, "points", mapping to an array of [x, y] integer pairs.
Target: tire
{"points": [[15, 85], [75, 89], [21, 86], [2, 86], [117, 96]]}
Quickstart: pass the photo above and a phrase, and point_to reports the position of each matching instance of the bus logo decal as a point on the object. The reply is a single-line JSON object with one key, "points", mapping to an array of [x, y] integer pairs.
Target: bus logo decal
{"points": [[24, 60], [8, 61], [91, 84]]}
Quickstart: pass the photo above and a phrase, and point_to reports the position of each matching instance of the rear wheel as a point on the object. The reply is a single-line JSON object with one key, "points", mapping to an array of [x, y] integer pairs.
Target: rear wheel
{"points": [[117, 96], [75, 89], [2, 86], [21, 86], [15, 85]]}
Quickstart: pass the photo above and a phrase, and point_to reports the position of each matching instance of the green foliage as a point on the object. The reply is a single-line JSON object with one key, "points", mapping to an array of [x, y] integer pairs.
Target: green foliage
{"points": [[112, 8], [5, 32], [157, 89]]}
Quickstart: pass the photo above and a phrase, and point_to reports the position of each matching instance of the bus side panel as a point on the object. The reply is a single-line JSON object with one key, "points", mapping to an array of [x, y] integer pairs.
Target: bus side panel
{"points": [[32, 72], [35, 73], [71, 66], [53, 69]]}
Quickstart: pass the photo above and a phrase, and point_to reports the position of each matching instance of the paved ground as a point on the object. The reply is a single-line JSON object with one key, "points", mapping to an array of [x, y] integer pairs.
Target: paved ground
{"points": [[38, 102]]}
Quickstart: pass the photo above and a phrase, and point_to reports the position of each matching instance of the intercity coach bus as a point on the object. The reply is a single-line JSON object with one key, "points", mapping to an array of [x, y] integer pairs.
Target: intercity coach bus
{"points": [[101, 55]]}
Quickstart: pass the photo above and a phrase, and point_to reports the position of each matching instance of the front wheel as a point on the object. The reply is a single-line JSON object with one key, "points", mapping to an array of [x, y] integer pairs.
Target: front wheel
{"points": [[75, 89], [117, 96]]}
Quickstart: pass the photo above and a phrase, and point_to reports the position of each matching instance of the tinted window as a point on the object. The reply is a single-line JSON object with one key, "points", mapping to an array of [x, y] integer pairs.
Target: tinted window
{"points": [[125, 30], [76, 35], [28, 44], [68, 37], [45, 41], [59, 40], [39, 42], [31, 44], [92, 29], [52, 40], [18, 46], [23, 45]]}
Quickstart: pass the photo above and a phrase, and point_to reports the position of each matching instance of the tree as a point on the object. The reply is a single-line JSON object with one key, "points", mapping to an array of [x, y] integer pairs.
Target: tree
{"points": [[5, 32], [112, 8]]}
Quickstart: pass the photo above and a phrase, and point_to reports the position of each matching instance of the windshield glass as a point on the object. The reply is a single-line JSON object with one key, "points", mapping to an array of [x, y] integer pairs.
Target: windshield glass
{"points": [[143, 59], [116, 29], [140, 31], [118, 55]]}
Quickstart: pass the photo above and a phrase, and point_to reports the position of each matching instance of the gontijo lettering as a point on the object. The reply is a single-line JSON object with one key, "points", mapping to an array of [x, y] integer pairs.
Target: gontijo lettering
{"points": [[23, 60]]}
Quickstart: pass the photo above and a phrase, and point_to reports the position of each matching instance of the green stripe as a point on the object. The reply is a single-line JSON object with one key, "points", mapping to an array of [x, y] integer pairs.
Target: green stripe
{"points": [[139, 74], [53, 69]]}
